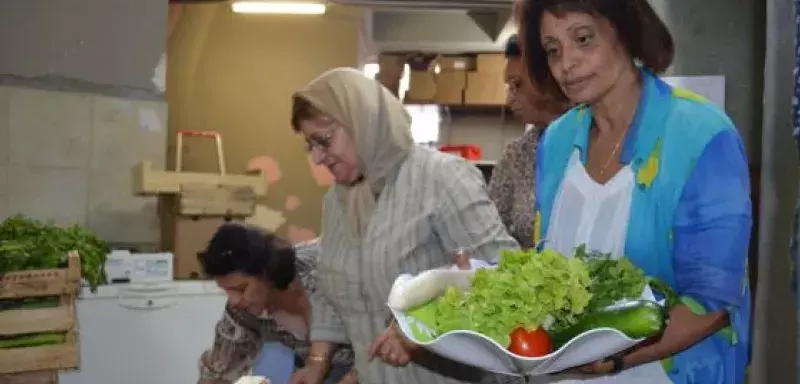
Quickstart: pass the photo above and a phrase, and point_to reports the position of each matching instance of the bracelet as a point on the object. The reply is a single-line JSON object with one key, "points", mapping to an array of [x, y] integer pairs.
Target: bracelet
{"points": [[317, 359], [618, 362]]}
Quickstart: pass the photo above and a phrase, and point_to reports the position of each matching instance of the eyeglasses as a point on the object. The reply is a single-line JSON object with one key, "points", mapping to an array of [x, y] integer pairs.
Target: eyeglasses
{"points": [[322, 141]]}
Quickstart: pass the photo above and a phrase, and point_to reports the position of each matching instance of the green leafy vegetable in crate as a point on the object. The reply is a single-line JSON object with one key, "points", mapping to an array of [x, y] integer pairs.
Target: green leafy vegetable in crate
{"points": [[27, 244], [36, 340]]}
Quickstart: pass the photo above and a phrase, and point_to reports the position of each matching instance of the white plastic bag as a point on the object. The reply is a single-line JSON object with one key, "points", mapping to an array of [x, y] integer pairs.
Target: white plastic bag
{"points": [[252, 380], [410, 291]]}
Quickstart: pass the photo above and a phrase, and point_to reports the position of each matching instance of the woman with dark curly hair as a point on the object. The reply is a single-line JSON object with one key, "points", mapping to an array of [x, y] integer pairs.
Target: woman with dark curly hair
{"points": [[270, 285], [647, 171], [512, 182]]}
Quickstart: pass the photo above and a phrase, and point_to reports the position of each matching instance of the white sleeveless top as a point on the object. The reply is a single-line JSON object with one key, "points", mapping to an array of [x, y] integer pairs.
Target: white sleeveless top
{"points": [[586, 212]]}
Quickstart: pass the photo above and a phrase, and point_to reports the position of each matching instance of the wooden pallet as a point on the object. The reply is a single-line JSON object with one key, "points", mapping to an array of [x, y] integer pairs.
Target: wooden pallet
{"points": [[43, 377], [64, 283]]}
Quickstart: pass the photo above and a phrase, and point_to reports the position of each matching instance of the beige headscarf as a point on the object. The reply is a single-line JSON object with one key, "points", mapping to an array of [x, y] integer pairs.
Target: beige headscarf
{"points": [[379, 125]]}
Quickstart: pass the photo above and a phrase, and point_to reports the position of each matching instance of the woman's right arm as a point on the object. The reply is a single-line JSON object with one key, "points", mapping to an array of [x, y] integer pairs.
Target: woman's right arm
{"points": [[327, 328], [326, 331], [235, 346]]}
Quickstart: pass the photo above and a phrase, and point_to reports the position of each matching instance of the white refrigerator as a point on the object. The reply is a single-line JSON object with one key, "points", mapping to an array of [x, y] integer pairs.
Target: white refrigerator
{"points": [[153, 333]]}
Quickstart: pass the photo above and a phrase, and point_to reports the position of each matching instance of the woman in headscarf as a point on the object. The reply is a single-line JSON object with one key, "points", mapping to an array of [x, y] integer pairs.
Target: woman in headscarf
{"points": [[395, 208], [648, 171], [512, 184]]}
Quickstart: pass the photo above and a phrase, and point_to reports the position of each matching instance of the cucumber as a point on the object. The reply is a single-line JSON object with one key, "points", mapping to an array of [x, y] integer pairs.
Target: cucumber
{"points": [[35, 340], [636, 319]]}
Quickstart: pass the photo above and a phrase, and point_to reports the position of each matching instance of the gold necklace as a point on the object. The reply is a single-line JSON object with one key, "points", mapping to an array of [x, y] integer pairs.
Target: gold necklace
{"points": [[612, 155]]}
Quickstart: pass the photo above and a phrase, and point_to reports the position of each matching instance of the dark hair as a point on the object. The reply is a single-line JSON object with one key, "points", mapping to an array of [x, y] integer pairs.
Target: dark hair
{"points": [[241, 248], [645, 36], [302, 110], [512, 48]]}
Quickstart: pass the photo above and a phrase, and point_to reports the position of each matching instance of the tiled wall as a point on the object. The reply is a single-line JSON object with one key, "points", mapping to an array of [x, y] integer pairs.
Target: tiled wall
{"points": [[67, 157]]}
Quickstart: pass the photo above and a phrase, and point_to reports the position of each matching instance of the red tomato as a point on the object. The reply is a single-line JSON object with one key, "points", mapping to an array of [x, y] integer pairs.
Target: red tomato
{"points": [[530, 344]]}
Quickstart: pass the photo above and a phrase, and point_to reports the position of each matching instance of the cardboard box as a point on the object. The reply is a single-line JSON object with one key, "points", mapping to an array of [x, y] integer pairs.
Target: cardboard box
{"points": [[449, 96], [456, 63], [450, 87], [423, 62], [392, 64], [491, 63], [390, 80], [185, 236], [192, 235], [485, 88], [422, 87]]}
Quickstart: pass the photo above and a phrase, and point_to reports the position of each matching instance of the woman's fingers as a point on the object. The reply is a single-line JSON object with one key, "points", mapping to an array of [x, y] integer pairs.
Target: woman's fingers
{"points": [[461, 260], [598, 367], [389, 348], [376, 346], [395, 353]]}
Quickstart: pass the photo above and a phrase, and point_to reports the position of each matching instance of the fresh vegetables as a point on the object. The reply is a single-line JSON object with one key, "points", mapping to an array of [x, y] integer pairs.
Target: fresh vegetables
{"points": [[533, 302], [29, 303], [613, 280], [531, 343], [527, 289], [32, 340], [636, 319], [424, 321], [27, 244]]}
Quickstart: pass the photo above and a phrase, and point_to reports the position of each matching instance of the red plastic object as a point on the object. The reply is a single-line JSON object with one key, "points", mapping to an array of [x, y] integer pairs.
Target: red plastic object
{"points": [[469, 151]]}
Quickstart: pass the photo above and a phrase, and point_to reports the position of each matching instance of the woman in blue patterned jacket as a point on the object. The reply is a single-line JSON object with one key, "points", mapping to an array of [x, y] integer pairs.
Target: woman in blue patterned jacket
{"points": [[644, 170]]}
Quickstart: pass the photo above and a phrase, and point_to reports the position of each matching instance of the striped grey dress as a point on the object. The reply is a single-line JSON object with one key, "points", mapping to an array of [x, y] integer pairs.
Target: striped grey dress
{"points": [[432, 205]]}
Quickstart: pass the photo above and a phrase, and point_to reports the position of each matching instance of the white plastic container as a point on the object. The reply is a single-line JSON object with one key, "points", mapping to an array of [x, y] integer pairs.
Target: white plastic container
{"points": [[477, 350]]}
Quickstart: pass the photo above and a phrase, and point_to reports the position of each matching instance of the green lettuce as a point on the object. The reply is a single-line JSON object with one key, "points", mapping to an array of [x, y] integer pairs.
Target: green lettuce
{"points": [[527, 289]]}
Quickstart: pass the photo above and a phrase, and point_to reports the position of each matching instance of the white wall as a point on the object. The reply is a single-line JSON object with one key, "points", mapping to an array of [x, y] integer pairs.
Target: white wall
{"points": [[67, 157], [103, 42], [78, 108]]}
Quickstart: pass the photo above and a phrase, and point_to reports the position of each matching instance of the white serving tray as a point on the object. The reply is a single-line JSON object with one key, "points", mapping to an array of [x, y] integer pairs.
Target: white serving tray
{"points": [[474, 349]]}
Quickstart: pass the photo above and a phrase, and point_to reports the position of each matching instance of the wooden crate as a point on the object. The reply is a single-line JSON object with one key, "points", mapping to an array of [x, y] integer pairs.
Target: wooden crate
{"points": [[216, 200], [43, 282], [43, 377], [150, 182], [64, 283]]}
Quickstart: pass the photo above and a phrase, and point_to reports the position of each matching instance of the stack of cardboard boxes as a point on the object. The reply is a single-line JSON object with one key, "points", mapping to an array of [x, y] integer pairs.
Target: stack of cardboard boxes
{"points": [[475, 80], [422, 79], [452, 79], [486, 85], [391, 71]]}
